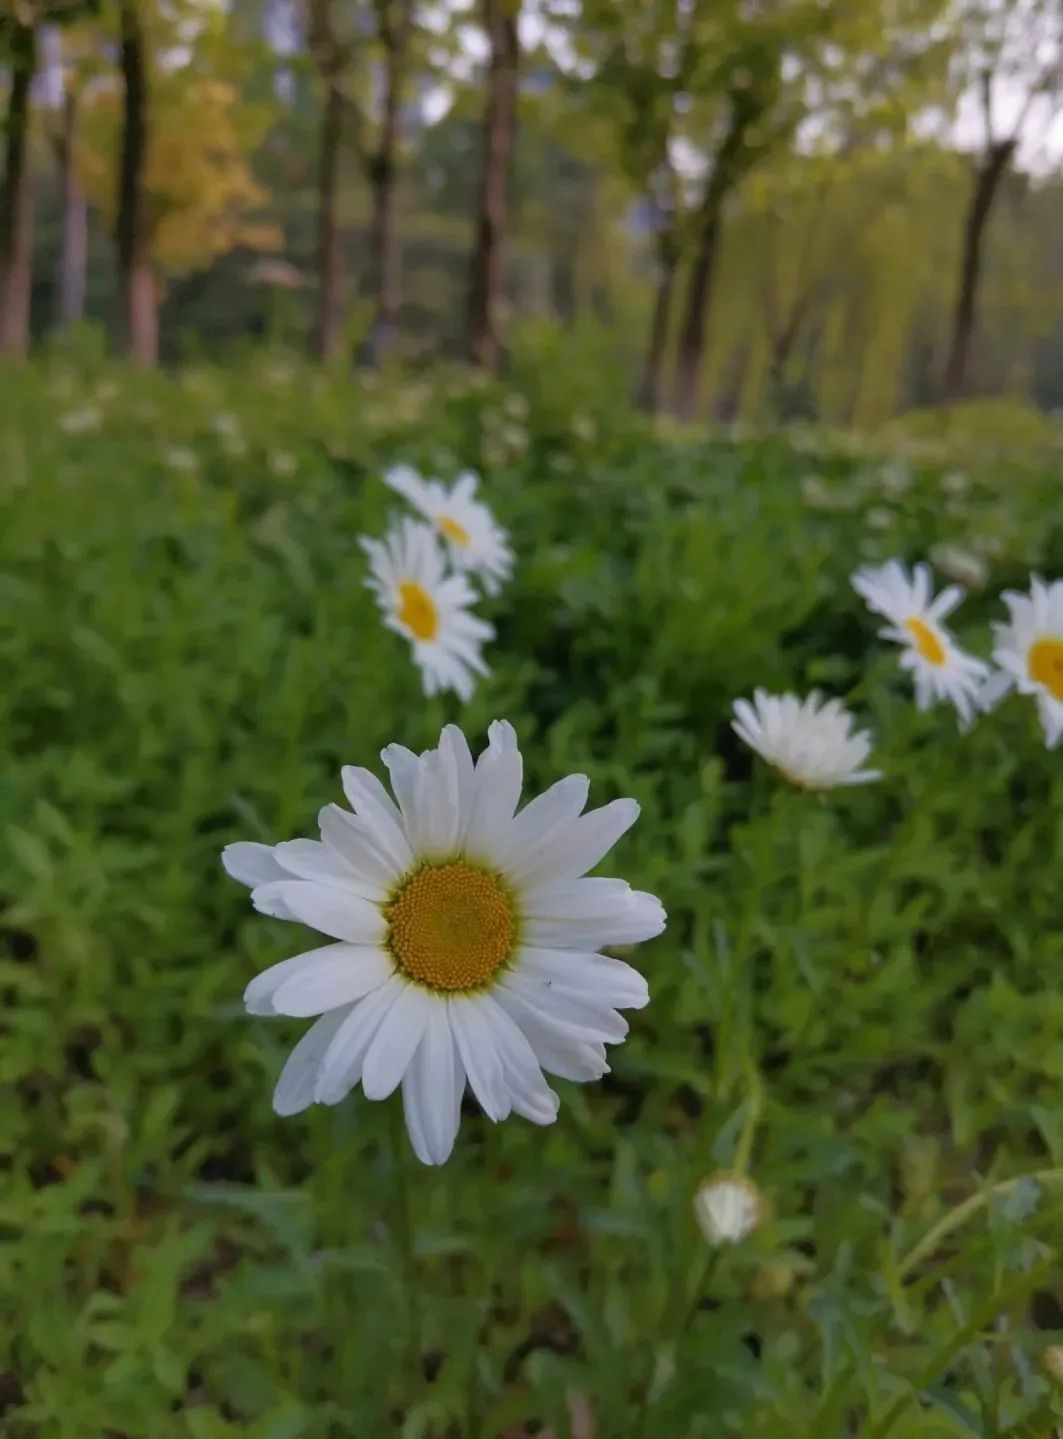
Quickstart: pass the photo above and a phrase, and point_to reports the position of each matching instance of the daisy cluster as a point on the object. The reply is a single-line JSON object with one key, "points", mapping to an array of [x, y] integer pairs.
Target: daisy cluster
{"points": [[812, 741], [423, 574]]}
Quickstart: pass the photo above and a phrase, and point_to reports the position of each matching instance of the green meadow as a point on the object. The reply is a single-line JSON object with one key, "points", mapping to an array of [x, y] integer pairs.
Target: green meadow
{"points": [[856, 999]]}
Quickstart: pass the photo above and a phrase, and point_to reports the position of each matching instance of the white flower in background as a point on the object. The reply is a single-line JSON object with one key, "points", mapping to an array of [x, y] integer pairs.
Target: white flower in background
{"points": [[1029, 651], [955, 483], [728, 1207], [467, 940], [940, 668], [282, 465], [475, 543], [812, 743], [963, 566], [895, 479], [430, 608], [181, 460], [880, 518], [81, 422]]}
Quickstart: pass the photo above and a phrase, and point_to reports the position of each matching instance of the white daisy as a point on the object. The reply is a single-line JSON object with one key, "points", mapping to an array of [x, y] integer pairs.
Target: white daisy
{"points": [[474, 541], [728, 1208], [940, 668], [468, 943], [1029, 651], [811, 743], [419, 600]]}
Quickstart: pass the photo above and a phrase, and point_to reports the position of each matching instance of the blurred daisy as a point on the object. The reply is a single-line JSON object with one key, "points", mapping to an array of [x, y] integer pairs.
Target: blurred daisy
{"points": [[1029, 652], [728, 1208], [430, 608], [182, 460], [940, 668], [467, 940], [964, 566], [474, 541], [811, 743], [81, 422]]}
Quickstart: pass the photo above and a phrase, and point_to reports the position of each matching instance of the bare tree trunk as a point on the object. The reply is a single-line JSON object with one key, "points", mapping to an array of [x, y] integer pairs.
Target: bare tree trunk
{"points": [[16, 198], [691, 350], [330, 241], [651, 385], [74, 254], [499, 129], [139, 299], [383, 236], [729, 164], [983, 193]]}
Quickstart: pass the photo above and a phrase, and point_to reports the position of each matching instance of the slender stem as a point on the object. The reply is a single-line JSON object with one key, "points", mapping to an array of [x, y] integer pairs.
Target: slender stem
{"points": [[1024, 1284], [964, 1210], [686, 1308], [404, 1228]]}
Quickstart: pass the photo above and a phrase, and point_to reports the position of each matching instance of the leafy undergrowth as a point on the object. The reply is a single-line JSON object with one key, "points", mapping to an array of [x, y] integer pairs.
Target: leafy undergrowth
{"points": [[860, 992]]}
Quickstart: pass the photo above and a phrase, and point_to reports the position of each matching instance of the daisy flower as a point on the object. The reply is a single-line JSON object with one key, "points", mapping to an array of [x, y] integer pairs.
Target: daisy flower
{"points": [[811, 743], [940, 668], [1029, 652], [475, 543], [467, 942], [431, 609], [728, 1207]]}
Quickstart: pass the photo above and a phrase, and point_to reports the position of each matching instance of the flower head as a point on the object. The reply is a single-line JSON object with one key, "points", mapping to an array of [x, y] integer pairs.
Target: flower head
{"points": [[811, 742], [466, 939], [728, 1208], [431, 609], [940, 668], [1029, 652], [475, 543]]}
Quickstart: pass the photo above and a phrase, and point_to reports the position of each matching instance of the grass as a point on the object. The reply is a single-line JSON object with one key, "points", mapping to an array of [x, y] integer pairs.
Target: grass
{"points": [[857, 992]]}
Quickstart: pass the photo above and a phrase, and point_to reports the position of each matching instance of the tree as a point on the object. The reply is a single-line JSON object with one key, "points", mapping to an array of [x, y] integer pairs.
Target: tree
{"points": [[139, 303], [499, 128], [1011, 55], [18, 33], [331, 59]]}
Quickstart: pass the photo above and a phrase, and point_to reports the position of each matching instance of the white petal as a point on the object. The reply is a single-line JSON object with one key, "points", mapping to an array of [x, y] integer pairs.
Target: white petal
{"points": [[295, 1087], [396, 1040], [341, 1066], [252, 864], [557, 1052], [352, 839], [454, 748], [592, 976], [431, 1090], [529, 1092], [330, 977], [471, 1027], [582, 1019], [258, 996], [310, 859], [375, 808], [332, 911], [582, 844], [524, 843], [497, 790]]}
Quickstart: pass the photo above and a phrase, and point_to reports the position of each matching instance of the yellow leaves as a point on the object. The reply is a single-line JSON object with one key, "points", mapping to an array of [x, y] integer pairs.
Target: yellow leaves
{"points": [[202, 199]]}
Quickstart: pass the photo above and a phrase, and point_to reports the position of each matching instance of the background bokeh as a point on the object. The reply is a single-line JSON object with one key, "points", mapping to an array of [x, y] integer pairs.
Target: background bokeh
{"points": [[856, 996]]}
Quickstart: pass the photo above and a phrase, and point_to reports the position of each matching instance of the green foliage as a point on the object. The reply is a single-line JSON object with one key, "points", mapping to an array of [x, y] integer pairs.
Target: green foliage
{"points": [[858, 991]]}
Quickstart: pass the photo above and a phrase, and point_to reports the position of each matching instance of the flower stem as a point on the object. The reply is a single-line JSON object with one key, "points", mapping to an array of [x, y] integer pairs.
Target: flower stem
{"points": [[404, 1230]]}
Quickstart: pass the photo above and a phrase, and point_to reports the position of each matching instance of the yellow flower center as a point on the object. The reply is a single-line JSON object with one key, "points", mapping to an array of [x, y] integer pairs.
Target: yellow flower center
{"points": [[1046, 665], [452, 926], [926, 641], [453, 531], [417, 611]]}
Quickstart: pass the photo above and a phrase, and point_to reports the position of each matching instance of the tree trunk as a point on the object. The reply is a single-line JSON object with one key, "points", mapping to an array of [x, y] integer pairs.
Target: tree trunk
{"points": [[139, 300], [16, 198], [691, 351], [983, 193], [499, 128], [74, 252], [330, 241], [383, 237], [649, 393]]}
